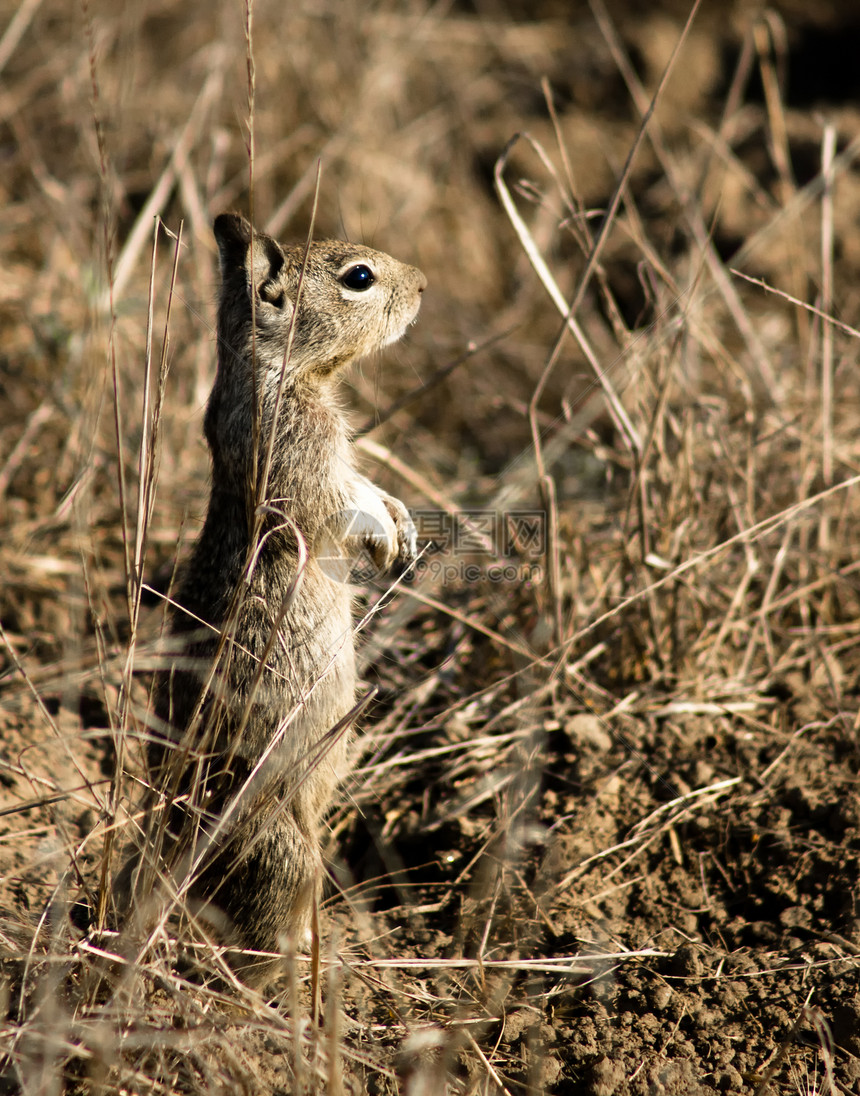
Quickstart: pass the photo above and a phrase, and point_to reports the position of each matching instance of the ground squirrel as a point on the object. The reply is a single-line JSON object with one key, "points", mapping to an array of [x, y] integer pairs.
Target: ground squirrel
{"points": [[252, 716]]}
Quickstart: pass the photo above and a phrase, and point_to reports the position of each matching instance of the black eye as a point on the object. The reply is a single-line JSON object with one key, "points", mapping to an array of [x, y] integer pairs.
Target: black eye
{"points": [[358, 278]]}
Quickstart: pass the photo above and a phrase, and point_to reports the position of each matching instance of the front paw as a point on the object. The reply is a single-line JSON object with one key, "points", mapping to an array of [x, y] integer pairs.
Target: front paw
{"points": [[407, 534], [358, 544], [372, 535], [372, 541]]}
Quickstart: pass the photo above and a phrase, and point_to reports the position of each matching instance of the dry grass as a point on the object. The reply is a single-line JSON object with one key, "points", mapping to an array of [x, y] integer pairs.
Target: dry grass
{"points": [[641, 327]]}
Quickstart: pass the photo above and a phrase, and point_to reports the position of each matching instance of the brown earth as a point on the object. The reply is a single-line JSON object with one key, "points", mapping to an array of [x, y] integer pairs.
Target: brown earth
{"points": [[602, 835]]}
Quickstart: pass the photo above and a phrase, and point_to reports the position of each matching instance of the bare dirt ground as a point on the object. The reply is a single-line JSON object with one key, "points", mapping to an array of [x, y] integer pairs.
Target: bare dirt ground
{"points": [[603, 828]]}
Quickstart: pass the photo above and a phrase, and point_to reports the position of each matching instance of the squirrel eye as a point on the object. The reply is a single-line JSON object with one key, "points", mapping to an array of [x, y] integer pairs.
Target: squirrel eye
{"points": [[358, 277]]}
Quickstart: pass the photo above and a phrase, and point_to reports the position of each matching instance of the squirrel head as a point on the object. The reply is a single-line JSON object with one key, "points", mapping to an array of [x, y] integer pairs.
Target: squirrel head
{"points": [[310, 310]]}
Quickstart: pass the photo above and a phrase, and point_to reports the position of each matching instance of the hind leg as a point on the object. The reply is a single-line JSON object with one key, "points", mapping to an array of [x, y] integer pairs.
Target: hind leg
{"points": [[266, 882]]}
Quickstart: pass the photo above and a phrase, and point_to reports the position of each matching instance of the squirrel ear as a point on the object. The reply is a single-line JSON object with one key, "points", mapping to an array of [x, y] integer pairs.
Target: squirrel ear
{"points": [[268, 261], [233, 235], [240, 248]]}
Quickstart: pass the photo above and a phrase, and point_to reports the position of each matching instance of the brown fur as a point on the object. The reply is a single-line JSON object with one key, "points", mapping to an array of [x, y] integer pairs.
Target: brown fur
{"points": [[247, 758]]}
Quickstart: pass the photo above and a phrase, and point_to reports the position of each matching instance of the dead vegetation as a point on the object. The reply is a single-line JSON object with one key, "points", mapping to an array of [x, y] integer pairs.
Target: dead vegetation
{"points": [[602, 832]]}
